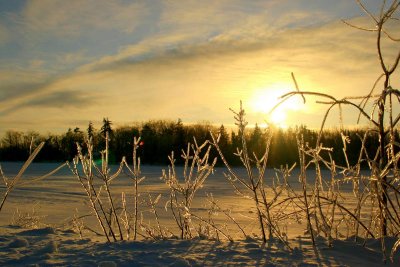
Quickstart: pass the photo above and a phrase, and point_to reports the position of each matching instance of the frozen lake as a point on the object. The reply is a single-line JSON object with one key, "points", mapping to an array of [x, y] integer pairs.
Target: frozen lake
{"points": [[59, 198]]}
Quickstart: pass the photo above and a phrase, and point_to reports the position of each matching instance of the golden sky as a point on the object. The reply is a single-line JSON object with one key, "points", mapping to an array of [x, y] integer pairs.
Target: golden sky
{"points": [[65, 63]]}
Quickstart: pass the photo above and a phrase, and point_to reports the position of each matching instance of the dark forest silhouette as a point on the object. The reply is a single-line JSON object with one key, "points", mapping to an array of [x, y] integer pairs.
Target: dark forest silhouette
{"points": [[160, 137]]}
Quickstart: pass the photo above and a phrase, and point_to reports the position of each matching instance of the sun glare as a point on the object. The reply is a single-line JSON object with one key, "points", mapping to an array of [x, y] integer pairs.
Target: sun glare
{"points": [[265, 99]]}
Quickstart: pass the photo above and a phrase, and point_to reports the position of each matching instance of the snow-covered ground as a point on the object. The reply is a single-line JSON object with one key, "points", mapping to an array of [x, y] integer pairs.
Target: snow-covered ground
{"points": [[37, 229], [50, 246]]}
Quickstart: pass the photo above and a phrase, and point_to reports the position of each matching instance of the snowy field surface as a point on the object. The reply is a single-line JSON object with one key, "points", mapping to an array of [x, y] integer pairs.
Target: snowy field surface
{"points": [[53, 247], [38, 227]]}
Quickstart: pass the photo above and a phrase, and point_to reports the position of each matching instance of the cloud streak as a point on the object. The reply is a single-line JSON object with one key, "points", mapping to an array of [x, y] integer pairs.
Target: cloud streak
{"points": [[58, 100], [71, 18]]}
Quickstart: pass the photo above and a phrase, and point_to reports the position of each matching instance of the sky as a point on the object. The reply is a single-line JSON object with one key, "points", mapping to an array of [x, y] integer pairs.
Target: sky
{"points": [[65, 63]]}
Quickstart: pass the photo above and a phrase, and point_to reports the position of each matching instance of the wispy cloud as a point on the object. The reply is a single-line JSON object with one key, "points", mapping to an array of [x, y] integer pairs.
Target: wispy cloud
{"points": [[63, 99], [4, 36], [72, 58], [59, 100], [70, 18], [16, 83]]}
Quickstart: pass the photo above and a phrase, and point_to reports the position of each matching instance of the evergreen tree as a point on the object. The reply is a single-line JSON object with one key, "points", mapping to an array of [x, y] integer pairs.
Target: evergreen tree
{"points": [[256, 144], [90, 130], [106, 127]]}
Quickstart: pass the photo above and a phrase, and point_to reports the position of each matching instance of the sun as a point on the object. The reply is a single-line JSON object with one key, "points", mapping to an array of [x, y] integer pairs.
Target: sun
{"points": [[265, 99], [278, 118]]}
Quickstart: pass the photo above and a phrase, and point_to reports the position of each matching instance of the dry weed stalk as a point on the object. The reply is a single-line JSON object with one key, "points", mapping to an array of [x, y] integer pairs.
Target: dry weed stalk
{"points": [[86, 175], [215, 208], [195, 172], [135, 174], [380, 187], [253, 183], [14, 182], [125, 218], [86, 180], [31, 220]]}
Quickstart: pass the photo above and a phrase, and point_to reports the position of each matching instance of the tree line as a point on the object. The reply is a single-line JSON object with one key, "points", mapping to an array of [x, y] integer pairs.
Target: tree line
{"points": [[160, 137]]}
